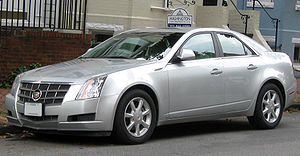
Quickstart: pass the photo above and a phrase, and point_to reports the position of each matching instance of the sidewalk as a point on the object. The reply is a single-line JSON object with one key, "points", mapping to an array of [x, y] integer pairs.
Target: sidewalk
{"points": [[297, 100], [3, 93], [3, 111]]}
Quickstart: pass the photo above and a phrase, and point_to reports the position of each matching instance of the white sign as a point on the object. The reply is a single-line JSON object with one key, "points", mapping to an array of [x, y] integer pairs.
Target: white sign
{"points": [[179, 18]]}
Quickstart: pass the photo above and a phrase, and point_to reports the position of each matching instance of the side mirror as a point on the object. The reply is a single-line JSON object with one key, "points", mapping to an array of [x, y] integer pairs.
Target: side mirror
{"points": [[187, 54], [183, 55]]}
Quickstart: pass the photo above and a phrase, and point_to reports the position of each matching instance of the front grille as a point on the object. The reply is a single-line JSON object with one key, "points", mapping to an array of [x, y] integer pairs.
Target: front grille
{"points": [[51, 93]]}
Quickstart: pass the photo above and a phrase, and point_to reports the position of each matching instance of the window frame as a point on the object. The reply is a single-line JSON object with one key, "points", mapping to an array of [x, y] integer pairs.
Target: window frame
{"points": [[266, 4], [243, 43], [297, 5], [215, 43]]}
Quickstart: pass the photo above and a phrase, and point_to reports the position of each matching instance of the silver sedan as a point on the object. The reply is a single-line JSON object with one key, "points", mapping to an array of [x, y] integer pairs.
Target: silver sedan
{"points": [[140, 79]]}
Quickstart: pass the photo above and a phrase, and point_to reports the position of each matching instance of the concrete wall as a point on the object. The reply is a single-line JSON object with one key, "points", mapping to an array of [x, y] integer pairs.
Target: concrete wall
{"points": [[103, 11], [237, 24], [133, 14], [211, 16]]}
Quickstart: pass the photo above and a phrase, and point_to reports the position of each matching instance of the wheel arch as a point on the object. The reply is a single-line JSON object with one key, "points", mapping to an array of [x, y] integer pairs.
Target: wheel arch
{"points": [[257, 119], [279, 85], [147, 89], [143, 87]]}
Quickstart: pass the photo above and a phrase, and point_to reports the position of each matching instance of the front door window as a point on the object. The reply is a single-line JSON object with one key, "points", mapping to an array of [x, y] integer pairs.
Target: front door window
{"points": [[202, 45]]}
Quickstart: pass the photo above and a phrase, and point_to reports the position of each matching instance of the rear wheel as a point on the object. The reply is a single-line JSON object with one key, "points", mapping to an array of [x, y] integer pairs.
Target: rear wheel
{"points": [[135, 118], [269, 108]]}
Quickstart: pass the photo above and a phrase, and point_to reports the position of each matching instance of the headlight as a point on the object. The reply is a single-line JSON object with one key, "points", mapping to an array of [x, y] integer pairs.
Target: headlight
{"points": [[91, 88], [15, 85]]}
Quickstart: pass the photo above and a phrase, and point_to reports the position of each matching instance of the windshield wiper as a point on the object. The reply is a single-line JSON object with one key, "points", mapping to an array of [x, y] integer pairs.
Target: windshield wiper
{"points": [[122, 57], [82, 57]]}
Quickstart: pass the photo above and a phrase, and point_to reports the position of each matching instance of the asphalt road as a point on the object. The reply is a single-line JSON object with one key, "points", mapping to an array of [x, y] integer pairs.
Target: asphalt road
{"points": [[218, 137]]}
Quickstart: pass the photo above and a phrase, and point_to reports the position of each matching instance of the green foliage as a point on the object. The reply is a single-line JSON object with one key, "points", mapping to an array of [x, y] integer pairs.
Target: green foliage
{"points": [[2, 112], [34, 65], [7, 83]]}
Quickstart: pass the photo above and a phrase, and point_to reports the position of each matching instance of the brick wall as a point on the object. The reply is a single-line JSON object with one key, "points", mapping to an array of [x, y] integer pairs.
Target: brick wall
{"points": [[45, 47]]}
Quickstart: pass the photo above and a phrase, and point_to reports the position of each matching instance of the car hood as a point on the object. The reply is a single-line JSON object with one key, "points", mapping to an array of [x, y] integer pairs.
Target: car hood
{"points": [[80, 70]]}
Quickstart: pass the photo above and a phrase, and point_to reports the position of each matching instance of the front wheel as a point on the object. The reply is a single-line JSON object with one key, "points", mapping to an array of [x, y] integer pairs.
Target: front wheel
{"points": [[269, 108], [135, 118]]}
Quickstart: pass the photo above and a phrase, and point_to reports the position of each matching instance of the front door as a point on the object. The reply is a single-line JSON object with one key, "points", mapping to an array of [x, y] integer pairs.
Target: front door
{"points": [[196, 86]]}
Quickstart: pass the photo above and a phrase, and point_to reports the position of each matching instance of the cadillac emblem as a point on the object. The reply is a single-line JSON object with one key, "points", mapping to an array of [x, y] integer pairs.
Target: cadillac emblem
{"points": [[36, 95]]}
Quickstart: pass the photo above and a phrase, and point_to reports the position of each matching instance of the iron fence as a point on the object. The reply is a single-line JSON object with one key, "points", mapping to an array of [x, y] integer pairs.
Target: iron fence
{"points": [[244, 17], [50, 14], [274, 20]]}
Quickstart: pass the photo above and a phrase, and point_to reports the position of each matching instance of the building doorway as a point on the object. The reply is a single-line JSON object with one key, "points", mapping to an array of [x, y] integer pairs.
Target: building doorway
{"points": [[297, 54]]}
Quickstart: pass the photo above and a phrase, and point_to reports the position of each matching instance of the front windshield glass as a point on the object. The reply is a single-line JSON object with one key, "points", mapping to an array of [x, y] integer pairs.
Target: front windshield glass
{"points": [[143, 45]]}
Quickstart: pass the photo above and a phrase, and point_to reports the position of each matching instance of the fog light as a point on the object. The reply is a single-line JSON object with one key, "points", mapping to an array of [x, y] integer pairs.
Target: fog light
{"points": [[82, 117]]}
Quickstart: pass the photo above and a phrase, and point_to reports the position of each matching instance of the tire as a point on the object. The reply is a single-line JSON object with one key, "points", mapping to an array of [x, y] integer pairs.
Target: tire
{"points": [[138, 124], [269, 108]]}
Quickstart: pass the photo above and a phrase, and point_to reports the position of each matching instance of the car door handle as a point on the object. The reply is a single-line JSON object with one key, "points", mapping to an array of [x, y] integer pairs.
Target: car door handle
{"points": [[216, 71], [251, 67]]}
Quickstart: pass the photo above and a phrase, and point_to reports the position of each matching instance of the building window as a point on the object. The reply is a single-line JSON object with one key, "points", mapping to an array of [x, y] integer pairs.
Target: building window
{"points": [[298, 5], [265, 3], [210, 2], [102, 37], [214, 2], [99, 36]]}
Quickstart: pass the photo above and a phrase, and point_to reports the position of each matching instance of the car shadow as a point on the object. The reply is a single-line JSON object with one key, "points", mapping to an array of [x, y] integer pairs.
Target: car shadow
{"points": [[200, 128], [160, 133]]}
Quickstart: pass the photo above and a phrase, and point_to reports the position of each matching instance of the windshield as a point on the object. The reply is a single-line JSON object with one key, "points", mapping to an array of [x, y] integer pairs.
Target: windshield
{"points": [[145, 45]]}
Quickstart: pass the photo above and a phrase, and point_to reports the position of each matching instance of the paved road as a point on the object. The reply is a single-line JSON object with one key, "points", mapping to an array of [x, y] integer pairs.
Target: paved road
{"points": [[219, 137]]}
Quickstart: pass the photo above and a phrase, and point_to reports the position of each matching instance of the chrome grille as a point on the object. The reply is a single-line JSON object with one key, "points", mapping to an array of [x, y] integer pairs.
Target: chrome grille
{"points": [[51, 93]]}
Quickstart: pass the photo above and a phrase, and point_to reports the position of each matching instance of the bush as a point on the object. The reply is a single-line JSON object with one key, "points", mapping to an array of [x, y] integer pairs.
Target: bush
{"points": [[7, 83]]}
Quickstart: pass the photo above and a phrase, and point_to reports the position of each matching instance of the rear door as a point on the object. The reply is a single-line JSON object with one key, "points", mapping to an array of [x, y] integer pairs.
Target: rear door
{"points": [[241, 68]]}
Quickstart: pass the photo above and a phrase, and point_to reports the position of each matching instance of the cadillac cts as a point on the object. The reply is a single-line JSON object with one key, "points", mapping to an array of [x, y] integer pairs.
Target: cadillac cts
{"points": [[140, 79]]}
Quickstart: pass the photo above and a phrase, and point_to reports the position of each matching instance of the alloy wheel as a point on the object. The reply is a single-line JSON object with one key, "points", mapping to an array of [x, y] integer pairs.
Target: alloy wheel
{"points": [[271, 106], [137, 117]]}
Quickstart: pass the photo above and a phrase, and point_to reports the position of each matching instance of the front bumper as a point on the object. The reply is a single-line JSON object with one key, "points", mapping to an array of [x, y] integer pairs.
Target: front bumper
{"points": [[55, 117]]}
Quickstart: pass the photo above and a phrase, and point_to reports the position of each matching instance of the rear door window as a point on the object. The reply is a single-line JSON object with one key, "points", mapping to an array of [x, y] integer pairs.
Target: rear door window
{"points": [[231, 46]]}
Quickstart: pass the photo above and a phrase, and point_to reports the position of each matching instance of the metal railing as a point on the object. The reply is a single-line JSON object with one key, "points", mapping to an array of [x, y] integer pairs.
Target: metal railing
{"points": [[244, 17], [49, 14], [272, 19]]}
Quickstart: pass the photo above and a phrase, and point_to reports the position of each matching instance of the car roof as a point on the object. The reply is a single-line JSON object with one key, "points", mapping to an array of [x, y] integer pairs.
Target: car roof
{"points": [[177, 29]]}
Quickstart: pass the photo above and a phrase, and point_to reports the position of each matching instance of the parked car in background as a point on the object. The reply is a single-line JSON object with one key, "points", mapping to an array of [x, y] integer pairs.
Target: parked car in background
{"points": [[140, 79]]}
